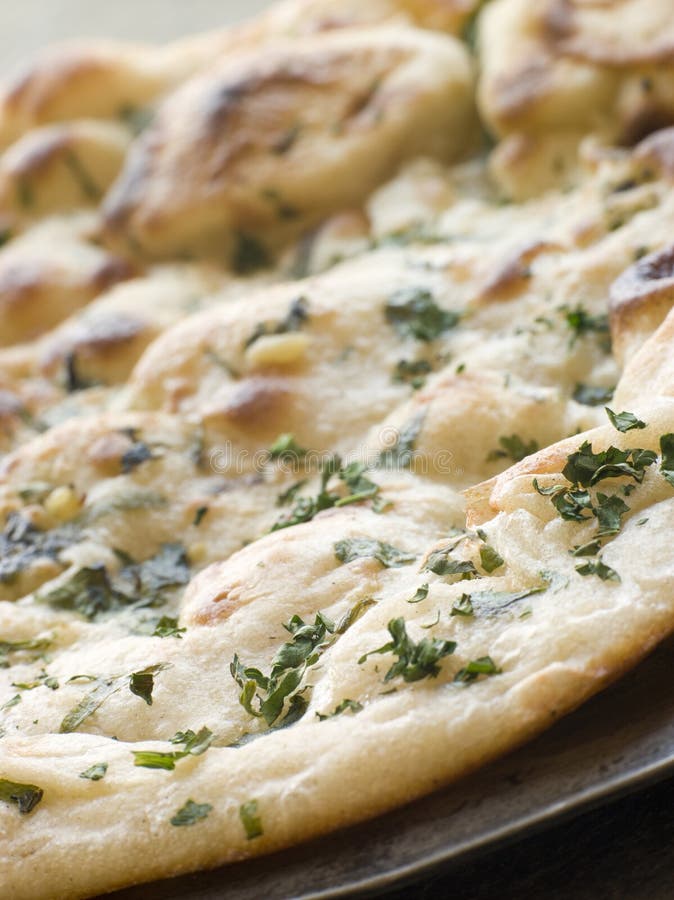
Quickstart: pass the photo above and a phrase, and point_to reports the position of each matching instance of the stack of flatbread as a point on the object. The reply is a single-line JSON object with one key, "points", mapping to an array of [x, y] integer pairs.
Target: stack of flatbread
{"points": [[337, 416]]}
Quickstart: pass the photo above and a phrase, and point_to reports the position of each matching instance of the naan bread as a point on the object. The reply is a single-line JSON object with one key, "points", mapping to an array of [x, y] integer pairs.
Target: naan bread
{"points": [[310, 500]]}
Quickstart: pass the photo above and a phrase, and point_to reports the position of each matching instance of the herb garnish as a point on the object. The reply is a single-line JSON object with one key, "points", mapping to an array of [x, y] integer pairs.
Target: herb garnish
{"points": [[401, 454], [485, 665], [592, 395], [286, 448], [21, 544], [513, 447], [412, 372], [248, 812], [264, 696], [140, 683], [250, 255], [390, 557], [295, 318], [667, 452], [95, 772], [581, 323], [194, 745], [440, 563], [167, 626], [490, 559], [624, 421], [191, 813], [25, 796], [421, 594], [350, 705], [413, 312], [353, 476], [415, 661], [597, 567]]}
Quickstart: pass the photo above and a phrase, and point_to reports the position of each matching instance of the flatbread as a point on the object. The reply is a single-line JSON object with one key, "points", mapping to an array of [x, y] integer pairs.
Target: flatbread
{"points": [[312, 500]]}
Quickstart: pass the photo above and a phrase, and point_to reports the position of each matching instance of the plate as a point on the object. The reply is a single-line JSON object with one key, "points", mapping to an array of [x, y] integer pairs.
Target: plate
{"points": [[618, 742]]}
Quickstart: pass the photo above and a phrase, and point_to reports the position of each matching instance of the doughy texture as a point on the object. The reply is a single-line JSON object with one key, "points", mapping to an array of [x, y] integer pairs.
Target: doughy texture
{"points": [[328, 476]]}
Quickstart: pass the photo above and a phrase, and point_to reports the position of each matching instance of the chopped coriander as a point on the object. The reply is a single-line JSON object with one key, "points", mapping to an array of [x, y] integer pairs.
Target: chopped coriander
{"points": [[88, 592], [73, 380], [485, 665], [463, 606], [142, 683], [11, 702], [264, 696], [413, 312], [286, 448], [401, 454], [490, 559], [587, 468], [421, 594], [295, 318], [591, 548], [290, 493], [199, 515], [412, 372], [349, 549], [581, 322], [591, 395], [167, 626], [22, 545], [624, 421], [25, 796], [191, 813], [250, 255], [195, 745], [597, 567], [138, 453], [667, 452], [250, 817], [95, 772], [440, 563], [415, 660], [346, 705], [513, 447], [609, 512], [484, 604]]}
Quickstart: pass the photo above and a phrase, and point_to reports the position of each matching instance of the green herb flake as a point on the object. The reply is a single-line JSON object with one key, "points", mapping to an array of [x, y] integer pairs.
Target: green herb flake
{"points": [[485, 665], [389, 556], [286, 448], [414, 313], [624, 421], [415, 660], [250, 255], [591, 395], [513, 447], [167, 626], [463, 606], [581, 323], [421, 594], [11, 702], [294, 320], [490, 559], [401, 454], [250, 817], [199, 515], [597, 567], [25, 796], [191, 813], [345, 706], [440, 563], [412, 372], [95, 772], [142, 683], [667, 452]]}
